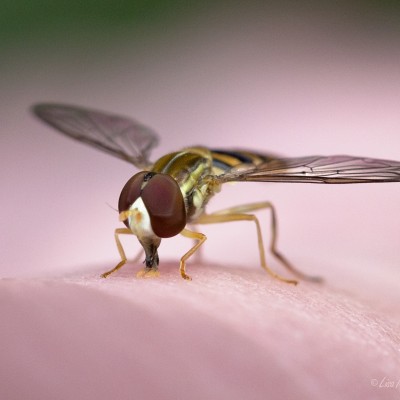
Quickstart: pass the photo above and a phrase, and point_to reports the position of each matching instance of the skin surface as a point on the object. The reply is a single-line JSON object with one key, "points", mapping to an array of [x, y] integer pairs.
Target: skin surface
{"points": [[232, 332]]}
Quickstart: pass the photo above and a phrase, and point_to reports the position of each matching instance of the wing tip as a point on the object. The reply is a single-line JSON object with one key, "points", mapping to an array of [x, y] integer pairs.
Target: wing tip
{"points": [[41, 110], [37, 109]]}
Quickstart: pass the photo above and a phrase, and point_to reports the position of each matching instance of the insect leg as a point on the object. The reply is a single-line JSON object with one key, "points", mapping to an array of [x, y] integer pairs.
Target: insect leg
{"points": [[201, 238], [274, 235], [198, 256], [229, 215], [120, 231]]}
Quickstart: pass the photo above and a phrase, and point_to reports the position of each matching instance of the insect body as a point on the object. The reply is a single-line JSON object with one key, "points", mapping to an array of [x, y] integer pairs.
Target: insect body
{"points": [[172, 193]]}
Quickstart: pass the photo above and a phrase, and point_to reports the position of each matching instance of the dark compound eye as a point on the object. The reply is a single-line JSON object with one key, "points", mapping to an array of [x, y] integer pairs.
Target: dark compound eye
{"points": [[162, 198], [164, 202]]}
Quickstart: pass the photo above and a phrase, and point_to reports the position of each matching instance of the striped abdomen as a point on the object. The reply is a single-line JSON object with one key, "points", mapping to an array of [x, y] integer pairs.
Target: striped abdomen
{"points": [[223, 160]]}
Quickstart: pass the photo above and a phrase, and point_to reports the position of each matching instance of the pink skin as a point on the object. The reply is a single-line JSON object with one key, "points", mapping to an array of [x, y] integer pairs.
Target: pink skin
{"points": [[231, 332]]}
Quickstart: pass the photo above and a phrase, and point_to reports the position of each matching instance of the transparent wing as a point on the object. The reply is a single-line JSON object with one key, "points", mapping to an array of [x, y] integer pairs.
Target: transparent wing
{"points": [[119, 136], [317, 169]]}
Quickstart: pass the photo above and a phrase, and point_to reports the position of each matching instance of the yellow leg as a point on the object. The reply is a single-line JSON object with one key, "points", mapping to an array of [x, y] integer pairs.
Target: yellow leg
{"points": [[239, 213], [198, 255], [201, 238], [120, 231], [274, 236]]}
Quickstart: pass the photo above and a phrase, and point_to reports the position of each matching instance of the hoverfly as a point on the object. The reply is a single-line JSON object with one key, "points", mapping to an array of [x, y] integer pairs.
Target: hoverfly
{"points": [[166, 196]]}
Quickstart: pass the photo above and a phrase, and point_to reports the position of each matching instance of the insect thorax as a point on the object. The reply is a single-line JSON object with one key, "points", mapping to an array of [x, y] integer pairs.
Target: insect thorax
{"points": [[192, 169]]}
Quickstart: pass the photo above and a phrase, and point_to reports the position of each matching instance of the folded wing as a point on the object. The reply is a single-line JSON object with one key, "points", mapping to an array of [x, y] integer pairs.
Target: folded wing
{"points": [[317, 169]]}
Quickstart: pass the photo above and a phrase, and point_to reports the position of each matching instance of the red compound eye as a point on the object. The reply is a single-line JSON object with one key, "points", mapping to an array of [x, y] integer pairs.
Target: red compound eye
{"points": [[164, 202]]}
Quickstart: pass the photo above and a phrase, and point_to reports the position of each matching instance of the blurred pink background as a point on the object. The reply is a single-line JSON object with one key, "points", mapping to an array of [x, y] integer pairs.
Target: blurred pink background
{"points": [[282, 80]]}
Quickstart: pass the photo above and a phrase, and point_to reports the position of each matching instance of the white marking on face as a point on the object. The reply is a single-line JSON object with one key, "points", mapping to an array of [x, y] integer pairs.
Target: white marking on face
{"points": [[139, 221]]}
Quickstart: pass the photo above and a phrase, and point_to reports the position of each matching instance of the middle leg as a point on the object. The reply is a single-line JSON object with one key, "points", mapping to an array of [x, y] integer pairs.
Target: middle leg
{"points": [[233, 214], [266, 205]]}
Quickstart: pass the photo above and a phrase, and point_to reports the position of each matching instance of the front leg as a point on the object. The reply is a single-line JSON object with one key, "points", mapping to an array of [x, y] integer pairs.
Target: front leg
{"points": [[192, 235], [121, 231]]}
